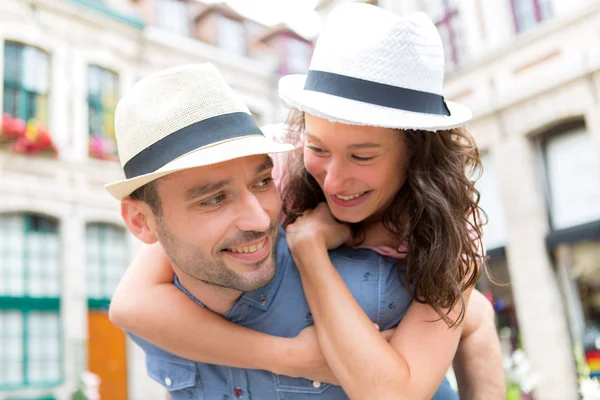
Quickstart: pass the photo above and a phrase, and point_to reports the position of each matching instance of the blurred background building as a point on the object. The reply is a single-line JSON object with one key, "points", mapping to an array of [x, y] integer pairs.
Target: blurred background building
{"points": [[529, 69]]}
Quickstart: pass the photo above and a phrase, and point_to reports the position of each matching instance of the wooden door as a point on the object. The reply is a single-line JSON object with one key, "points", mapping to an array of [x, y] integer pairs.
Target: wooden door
{"points": [[107, 356]]}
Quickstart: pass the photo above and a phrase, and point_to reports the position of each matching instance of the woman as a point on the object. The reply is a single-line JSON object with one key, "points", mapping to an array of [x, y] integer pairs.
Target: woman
{"points": [[379, 150]]}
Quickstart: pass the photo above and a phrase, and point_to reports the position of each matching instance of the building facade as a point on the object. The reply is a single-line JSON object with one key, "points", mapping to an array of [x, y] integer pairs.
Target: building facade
{"points": [[63, 247], [530, 71]]}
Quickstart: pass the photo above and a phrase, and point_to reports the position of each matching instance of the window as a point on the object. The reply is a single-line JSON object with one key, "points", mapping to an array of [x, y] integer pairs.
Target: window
{"points": [[30, 333], [231, 35], [573, 178], [102, 100], [528, 13], [578, 269], [172, 15], [444, 14], [106, 261], [495, 230], [26, 82], [298, 56]]}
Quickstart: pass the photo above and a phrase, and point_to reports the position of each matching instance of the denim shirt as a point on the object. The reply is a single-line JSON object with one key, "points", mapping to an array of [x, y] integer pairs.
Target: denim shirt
{"points": [[280, 308]]}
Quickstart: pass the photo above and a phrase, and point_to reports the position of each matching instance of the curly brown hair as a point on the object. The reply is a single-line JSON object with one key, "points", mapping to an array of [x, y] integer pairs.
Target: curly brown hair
{"points": [[443, 228]]}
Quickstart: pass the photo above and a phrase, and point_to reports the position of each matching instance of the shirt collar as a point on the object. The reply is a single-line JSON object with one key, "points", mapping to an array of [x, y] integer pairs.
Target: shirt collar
{"points": [[260, 298]]}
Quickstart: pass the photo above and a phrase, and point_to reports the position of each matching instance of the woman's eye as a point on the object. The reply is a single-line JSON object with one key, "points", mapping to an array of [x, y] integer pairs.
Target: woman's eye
{"points": [[359, 158], [316, 149]]}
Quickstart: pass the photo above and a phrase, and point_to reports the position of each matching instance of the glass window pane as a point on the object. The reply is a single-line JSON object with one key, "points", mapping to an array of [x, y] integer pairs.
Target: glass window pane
{"points": [[44, 345], [10, 100], [11, 343], [35, 70], [26, 82], [107, 259], [43, 259], [12, 62], [42, 265], [172, 15], [12, 255], [94, 83], [444, 14], [545, 9], [231, 35], [102, 100], [573, 171], [525, 14]]}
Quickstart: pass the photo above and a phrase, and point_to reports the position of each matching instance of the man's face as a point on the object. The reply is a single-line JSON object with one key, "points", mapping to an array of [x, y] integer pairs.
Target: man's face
{"points": [[219, 222]]}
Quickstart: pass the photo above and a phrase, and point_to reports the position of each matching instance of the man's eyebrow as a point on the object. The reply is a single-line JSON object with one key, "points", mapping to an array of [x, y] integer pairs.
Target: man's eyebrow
{"points": [[266, 165], [206, 188]]}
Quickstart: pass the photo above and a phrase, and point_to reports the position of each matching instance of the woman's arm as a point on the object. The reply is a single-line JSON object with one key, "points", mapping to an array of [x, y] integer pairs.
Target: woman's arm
{"points": [[420, 352], [478, 360], [147, 304]]}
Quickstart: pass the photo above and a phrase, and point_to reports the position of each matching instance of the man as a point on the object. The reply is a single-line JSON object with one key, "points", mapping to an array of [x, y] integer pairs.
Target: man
{"points": [[199, 182]]}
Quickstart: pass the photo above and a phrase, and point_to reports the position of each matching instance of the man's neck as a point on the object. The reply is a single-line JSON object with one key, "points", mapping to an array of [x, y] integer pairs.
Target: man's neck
{"points": [[216, 298]]}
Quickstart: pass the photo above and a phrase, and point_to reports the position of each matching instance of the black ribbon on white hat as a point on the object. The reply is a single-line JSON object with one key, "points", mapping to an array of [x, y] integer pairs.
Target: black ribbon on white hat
{"points": [[380, 94], [192, 137]]}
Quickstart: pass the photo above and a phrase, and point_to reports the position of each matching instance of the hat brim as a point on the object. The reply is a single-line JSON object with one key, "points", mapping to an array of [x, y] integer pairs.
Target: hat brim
{"points": [[353, 112], [209, 155]]}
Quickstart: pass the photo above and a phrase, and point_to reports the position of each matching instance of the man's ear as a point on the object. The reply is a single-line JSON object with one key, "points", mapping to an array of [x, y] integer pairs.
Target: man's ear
{"points": [[140, 219]]}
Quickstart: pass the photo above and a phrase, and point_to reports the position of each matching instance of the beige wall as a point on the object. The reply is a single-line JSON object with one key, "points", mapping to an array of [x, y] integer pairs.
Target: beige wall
{"points": [[517, 85], [71, 188]]}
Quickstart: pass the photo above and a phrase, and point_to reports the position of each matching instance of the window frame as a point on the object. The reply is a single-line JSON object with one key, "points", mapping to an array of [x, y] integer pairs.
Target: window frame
{"points": [[450, 14], [95, 106], [537, 12], [166, 21], [583, 231], [103, 302], [25, 97], [227, 24], [27, 304]]}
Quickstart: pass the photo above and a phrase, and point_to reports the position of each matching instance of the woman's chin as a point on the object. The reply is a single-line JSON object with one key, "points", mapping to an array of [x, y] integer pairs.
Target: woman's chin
{"points": [[348, 216]]}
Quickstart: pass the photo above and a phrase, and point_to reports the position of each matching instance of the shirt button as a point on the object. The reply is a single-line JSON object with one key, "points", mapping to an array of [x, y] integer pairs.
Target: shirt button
{"points": [[316, 384], [237, 392], [263, 299], [168, 382]]}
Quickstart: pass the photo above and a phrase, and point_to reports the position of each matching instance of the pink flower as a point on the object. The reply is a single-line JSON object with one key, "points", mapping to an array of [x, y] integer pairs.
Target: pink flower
{"points": [[12, 127]]}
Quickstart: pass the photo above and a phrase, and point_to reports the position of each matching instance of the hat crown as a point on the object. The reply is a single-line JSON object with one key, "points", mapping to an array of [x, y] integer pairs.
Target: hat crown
{"points": [[165, 102], [367, 42]]}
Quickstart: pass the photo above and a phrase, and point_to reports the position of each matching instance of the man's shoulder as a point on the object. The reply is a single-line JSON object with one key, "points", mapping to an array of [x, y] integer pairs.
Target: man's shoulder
{"points": [[283, 255]]}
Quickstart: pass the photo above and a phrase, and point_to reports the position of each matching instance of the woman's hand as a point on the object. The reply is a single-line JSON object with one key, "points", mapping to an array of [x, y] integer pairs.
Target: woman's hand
{"points": [[317, 227]]}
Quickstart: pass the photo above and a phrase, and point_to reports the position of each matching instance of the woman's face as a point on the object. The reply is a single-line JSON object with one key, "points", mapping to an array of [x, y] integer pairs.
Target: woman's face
{"points": [[359, 168]]}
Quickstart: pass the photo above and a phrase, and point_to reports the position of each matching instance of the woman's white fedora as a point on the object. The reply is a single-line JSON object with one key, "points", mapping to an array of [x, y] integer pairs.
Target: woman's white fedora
{"points": [[371, 67]]}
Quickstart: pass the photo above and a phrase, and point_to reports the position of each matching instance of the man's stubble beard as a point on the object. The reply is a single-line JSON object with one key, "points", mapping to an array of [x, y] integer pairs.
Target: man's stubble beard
{"points": [[201, 266]]}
